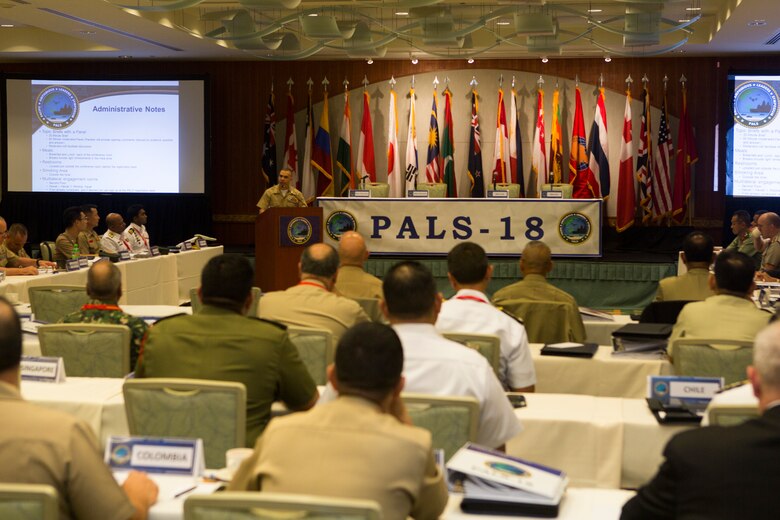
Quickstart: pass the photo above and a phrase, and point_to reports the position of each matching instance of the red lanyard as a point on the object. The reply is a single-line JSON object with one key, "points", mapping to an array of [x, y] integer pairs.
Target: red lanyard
{"points": [[100, 307], [474, 298], [318, 286]]}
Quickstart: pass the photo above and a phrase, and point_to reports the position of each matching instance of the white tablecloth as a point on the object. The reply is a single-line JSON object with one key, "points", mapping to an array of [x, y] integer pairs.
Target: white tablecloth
{"points": [[604, 375], [189, 264], [600, 331]]}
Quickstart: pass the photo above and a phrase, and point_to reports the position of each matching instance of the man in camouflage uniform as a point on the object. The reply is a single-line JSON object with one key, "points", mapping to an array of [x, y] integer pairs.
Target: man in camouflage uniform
{"points": [[104, 287]]}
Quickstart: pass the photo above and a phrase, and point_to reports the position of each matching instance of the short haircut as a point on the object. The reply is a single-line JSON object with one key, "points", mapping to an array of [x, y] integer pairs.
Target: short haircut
{"points": [[87, 208], [734, 272], [759, 212], [369, 356], [743, 216], [409, 289], [321, 265], [226, 281], [10, 336], [766, 355], [104, 281], [71, 215], [772, 218], [133, 211], [467, 263], [697, 247], [536, 256], [17, 229]]}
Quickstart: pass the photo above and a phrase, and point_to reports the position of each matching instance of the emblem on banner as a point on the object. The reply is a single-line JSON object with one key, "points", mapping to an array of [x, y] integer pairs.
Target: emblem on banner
{"points": [[575, 228], [339, 222], [57, 107], [755, 104], [299, 230]]}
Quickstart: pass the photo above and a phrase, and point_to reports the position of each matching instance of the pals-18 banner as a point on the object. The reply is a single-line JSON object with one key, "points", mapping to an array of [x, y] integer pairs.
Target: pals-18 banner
{"points": [[571, 227]]}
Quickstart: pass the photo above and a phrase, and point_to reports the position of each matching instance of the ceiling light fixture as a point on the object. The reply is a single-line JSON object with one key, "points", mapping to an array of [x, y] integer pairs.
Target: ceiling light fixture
{"points": [[607, 58], [314, 14], [693, 8], [402, 13], [683, 20], [414, 61], [6, 25], [502, 22], [369, 61], [594, 10], [544, 59], [470, 60]]}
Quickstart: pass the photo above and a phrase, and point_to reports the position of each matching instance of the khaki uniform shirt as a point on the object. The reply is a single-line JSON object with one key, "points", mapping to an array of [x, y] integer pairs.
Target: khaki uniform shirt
{"points": [[744, 244], [21, 253], [223, 345], [310, 304], [136, 238], [772, 254], [7, 257], [354, 282], [113, 242], [348, 449], [93, 241], [63, 247], [693, 285], [536, 287], [274, 198], [720, 316], [43, 446]]}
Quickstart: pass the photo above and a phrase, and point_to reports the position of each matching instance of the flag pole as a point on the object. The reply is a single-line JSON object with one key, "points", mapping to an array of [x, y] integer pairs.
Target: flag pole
{"points": [[689, 208]]}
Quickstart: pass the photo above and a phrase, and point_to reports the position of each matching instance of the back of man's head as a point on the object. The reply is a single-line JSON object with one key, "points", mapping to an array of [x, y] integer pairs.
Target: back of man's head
{"points": [[410, 291], [104, 282], [697, 247], [369, 360], [10, 337], [352, 249], [467, 263], [734, 272], [536, 258], [766, 355], [226, 281], [320, 260]]}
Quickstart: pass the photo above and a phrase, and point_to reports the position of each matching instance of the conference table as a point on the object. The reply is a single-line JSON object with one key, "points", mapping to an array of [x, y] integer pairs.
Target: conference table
{"points": [[599, 330], [158, 280]]}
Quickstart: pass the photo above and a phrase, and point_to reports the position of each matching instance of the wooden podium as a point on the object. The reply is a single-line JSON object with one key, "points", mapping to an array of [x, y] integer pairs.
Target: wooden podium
{"points": [[281, 234]]}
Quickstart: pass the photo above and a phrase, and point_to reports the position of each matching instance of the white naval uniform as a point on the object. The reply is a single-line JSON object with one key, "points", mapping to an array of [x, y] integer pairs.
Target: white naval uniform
{"points": [[471, 311], [137, 238], [112, 242]]}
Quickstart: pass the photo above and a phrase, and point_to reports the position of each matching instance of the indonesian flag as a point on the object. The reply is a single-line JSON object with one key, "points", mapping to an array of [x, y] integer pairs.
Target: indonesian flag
{"points": [[366, 170], [662, 158], [626, 201], [412, 166], [394, 178], [308, 173], [501, 148], [539, 158], [344, 152], [290, 161], [515, 146], [598, 147], [686, 156], [584, 185]]}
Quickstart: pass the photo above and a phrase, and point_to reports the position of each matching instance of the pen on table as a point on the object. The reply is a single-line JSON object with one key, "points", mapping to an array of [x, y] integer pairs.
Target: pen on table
{"points": [[180, 493]]}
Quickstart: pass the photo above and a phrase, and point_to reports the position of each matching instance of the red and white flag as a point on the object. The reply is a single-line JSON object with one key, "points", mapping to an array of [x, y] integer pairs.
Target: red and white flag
{"points": [[501, 148], [539, 156], [366, 169], [290, 161], [515, 146], [394, 177], [626, 199], [662, 159]]}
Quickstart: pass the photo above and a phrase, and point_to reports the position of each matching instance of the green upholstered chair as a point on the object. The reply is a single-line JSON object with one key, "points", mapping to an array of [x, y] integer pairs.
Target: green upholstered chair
{"points": [[197, 305], [371, 307], [451, 420], [545, 322], [214, 411], [316, 348], [434, 189], [47, 250], [379, 190], [51, 303], [697, 357], [513, 189], [566, 189], [731, 415], [88, 349], [489, 345], [28, 502], [247, 505]]}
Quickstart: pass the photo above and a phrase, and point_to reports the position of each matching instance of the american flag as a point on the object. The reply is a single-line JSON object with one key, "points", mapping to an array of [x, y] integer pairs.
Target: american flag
{"points": [[662, 187]]}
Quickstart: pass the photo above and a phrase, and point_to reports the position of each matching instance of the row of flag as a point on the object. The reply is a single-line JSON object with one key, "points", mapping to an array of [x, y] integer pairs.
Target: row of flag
{"points": [[589, 169]]}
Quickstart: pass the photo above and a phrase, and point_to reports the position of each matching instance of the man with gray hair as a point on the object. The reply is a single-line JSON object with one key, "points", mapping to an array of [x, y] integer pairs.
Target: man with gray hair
{"points": [[104, 288], [769, 226], [312, 303], [724, 472]]}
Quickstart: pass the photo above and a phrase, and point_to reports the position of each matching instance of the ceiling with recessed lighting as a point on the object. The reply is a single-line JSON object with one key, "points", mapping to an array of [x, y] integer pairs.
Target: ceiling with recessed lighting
{"points": [[381, 29]]}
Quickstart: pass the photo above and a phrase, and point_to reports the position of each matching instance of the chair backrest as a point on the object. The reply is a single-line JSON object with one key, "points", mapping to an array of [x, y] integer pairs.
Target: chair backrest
{"points": [[513, 189], [451, 420], [247, 505], [565, 189], [489, 345], [727, 415], [698, 357], [214, 411], [434, 189], [378, 189], [663, 312], [51, 303], [28, 502], [371, 307], [545, 322], [197, 305], [316, 348], [47, 250], [88, 349]]}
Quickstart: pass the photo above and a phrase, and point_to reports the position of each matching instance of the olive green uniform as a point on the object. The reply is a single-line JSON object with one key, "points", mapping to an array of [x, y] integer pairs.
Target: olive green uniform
{"points": [[63, 247], [354, 282], [694, 285], [93, 241]]}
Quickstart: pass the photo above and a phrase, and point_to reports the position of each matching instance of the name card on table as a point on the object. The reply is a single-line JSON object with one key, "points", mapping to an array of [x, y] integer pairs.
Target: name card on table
{"points": [[155, 251], [156, 455], [83, 261], [43, 369], [417, 194], [552, 194], [675, 390], [73, 264], [360, 194], [202, 243], [187, 245], [498, 194], [124, 256]]}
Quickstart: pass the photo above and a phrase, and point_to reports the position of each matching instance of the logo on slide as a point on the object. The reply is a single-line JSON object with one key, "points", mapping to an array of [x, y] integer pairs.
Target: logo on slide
{"points": [[755, 104], [574, 228], [338, 223], [57, 107]]}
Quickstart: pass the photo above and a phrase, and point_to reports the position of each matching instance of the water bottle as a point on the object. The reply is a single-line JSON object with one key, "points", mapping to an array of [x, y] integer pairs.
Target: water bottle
{"points": [[76, 253]]}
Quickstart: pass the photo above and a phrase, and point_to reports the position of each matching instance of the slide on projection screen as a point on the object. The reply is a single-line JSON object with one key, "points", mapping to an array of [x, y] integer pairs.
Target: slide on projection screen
{"points": [[753, 142], [105, 136]]}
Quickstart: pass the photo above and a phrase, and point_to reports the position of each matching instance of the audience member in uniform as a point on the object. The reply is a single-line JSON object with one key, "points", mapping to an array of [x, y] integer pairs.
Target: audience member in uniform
{"points": [[311, 303], [112, 241], [75, 222], [14, 260], [769, 226], [361, 445], [758, 242], [730, 313], [104, 288], [135, 235], [723, 472], [353, 281], [39, 445], [743, 240], [470, 311], [694, 284], [535, 264], [220, 342], [89, 234]]}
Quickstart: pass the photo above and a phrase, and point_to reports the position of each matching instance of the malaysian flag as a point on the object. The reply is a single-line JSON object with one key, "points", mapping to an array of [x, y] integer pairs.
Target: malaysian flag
{"points": [[432, 167]]}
